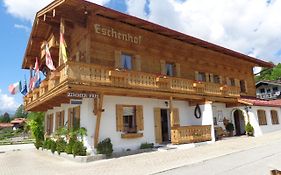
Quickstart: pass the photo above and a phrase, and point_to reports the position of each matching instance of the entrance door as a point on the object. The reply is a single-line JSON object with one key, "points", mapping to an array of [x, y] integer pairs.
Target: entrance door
{"points": [[165, 125], [162, 125], [239, 122]]}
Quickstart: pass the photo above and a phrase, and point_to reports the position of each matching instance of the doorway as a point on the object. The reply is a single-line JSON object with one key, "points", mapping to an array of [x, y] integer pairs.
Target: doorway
{"points": [[239, 122], [165, 126]]}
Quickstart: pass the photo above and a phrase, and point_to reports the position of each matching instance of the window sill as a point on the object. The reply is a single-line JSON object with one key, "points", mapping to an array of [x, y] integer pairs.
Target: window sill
{"points": [[131, 135]]}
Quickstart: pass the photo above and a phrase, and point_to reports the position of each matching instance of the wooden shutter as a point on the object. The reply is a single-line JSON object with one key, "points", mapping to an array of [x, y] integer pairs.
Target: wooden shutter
{"points": [[196, 75], [117, 55], [221, 80], [212, 78], [178, 70], [119, 118], [139, 117], [262, 117], [163, 67], [237, 82], [157, 125], [62, 118], [77, 117], [208, 77], [176, 119], [51, 123], [57, 120], [70, 118], [228, 81], [274, 117], [138, 63]]}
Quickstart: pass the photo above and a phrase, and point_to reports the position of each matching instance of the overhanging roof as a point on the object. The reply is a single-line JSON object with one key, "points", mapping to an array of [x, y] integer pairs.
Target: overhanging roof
{"points": [[73, 8]]}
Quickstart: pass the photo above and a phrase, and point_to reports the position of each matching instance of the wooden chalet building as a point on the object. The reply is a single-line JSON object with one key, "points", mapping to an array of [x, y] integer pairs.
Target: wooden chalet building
{"points": [[131, 80]]}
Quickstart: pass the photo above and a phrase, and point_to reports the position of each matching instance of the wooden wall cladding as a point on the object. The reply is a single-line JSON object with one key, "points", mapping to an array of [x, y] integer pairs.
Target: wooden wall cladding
{"points": [[153, 48]]}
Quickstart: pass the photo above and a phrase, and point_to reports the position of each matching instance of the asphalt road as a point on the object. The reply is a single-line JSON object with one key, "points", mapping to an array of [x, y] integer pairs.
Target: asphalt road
{"points": [[256, 161]]}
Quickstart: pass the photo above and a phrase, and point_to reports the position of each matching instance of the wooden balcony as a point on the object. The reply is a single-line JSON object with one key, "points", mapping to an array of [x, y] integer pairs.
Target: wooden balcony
{"points": [[95, 76], [191, 134]]}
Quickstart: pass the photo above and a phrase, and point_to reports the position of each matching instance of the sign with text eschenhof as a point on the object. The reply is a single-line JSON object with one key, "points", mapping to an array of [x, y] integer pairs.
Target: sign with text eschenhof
{"points": [[81, 95]]}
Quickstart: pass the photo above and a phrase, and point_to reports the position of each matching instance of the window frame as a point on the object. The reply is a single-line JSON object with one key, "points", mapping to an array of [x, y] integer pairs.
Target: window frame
{"points": [[134, 120], [202, 77], [126, 55], [72, 118], [59, 119]]}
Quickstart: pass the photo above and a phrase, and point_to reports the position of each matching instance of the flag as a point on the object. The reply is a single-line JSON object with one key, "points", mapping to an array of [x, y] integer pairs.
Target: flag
{"points": [[49, 61], [31, 83], [15, 88], [24, 88], [36, 77], [63, 47]]}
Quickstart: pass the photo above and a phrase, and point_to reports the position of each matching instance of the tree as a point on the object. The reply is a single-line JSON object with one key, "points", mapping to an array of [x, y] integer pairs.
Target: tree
{"points": [[36, 126], [5, 118], [270, 74], [20, 112]]}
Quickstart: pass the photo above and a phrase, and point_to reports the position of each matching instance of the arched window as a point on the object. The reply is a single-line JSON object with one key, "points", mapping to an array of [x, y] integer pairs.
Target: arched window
{"points": [[274, 117], [262, 117]]}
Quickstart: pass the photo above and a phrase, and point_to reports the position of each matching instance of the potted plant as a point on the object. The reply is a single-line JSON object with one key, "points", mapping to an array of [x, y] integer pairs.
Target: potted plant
{"points": [[249, 129], [230, 128]]}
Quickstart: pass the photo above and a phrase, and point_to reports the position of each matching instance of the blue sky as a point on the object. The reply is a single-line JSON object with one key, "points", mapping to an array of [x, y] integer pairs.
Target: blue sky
{"points": [[251, 27]]}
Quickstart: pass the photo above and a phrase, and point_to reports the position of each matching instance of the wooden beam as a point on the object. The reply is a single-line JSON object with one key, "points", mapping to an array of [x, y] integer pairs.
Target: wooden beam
{"points": [[171, 111], [99, 111]]}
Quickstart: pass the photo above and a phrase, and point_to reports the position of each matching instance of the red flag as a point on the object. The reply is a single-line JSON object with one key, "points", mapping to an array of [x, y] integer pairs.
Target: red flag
{"points": [[49, 61]]}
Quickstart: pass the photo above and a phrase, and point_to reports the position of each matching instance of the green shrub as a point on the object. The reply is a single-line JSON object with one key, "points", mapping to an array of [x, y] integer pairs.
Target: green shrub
{"points": [[53, 146], [69, 146], [61, 145], [79, 149], [35, 124], [146, 145], [249, 129], [105, 147], [46, 143], [38, 144], [229, 127]]}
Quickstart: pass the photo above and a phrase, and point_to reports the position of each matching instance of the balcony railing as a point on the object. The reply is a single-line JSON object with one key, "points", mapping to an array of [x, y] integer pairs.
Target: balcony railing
{"points": [[89, 74], [191, 134]]}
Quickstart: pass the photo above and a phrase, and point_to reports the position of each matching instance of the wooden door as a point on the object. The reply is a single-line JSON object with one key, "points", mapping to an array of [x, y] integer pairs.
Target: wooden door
{"points": [[157, 125]]}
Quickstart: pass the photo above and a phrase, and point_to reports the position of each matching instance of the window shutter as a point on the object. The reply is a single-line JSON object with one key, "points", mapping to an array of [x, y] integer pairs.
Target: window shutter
{"points": [[117, 55], [62, 118], [237, 82], [178, 70], [77, 116], [157, 125], [163, 67], [207, 77], [57, 120], [176, 120], [51, 123], [119, 118], [246, 87], [69, 119], [139, 117], [212, 78], [221, 79], [138, 63], [196, 75], [228, 81]]}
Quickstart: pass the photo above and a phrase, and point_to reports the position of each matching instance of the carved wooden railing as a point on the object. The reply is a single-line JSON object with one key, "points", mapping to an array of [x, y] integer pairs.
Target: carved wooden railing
{"points": [[89, 74], [191, 134]]}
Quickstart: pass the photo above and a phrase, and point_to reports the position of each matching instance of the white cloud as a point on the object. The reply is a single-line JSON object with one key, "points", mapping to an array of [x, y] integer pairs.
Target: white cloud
{"points": [[251, 27], [22, 27], [136, 8], [8, 103], [26, 9]]}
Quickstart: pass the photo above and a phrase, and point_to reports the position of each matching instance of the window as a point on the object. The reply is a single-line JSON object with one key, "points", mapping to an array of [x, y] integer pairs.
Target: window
{"points": [[49, 127], [275, 89], [274, 117], [262, 117], [217, 79], [232, 82], [126, 61], [170, 69], [59, 120], [129, 119], [74, 118], [262, 90], [268, 90], [242, 86], [201, 76]]}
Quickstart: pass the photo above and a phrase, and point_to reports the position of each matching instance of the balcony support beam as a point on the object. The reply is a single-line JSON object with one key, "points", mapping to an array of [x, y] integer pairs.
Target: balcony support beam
{"points": [[99, 104]]}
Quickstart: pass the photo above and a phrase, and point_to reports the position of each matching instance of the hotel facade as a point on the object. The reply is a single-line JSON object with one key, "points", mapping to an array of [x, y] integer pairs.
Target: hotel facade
{"points": [[137, 82]]}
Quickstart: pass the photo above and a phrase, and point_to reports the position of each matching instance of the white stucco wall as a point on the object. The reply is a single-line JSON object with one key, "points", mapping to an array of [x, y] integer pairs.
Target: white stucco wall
{"points": [[108, 119], [259, 130]]}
